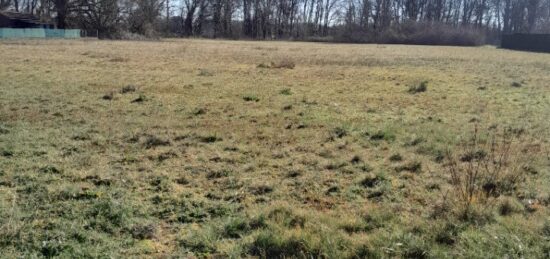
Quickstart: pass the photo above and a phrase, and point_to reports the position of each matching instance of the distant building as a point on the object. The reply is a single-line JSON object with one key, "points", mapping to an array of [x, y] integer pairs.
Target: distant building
{"points": [[20, 25], [22, 21]]}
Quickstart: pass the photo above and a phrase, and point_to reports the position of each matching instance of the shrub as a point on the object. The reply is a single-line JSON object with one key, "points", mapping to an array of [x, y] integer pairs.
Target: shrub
{"points": [[411, 32], [486, 169]]}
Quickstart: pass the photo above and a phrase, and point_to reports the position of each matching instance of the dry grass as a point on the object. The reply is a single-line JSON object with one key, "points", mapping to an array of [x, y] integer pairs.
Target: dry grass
{"points": [[205, 136]]}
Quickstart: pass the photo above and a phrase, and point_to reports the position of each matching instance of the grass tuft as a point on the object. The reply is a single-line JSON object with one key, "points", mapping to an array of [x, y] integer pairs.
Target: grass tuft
{"points": [[422, 87]]}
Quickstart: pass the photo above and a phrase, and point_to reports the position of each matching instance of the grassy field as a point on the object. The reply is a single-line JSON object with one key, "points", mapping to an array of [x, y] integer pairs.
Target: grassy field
{"points": [[271, 149]]}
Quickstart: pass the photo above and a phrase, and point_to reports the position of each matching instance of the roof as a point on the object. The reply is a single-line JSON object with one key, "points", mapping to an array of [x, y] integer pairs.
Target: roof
{"points": [[29, 18]]}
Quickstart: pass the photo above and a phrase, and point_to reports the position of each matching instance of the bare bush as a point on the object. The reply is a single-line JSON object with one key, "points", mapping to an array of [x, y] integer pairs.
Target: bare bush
{"points": [[487, 167], [418, 33]]}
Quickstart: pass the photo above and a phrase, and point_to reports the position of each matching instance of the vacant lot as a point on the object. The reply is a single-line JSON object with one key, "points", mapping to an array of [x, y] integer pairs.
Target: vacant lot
{"points": [[270, 149]]}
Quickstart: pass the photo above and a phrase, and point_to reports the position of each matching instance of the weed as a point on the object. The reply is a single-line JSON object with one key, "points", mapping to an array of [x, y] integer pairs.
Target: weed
{"points": [[258, 222], [128, 89], [415, 141], [182, 180], [332, 189], [356, 159], [202, 241], [3, 130], [293, 174], [160, 184], [286, 217], [396, 158], [218, 174], [372, 180], [205, 72], [422, 87], [6, 153], [209, 139], [546, 229], [141, 98], [448, 235], [236, 228], [508, 206], [284, 63], [165, 156], [338, 132], [336, 165], [516, 84], [143, 231], [98, 181], [49, 169], [413, 167], [271, 245], [108, 215], [198, 111], [81, 137], [118, 59], [409, 246], [530, 169], [261, 189], [108, 96], [154, 141], [286, 91], [251, 98], [382, 135], [365, 167]]}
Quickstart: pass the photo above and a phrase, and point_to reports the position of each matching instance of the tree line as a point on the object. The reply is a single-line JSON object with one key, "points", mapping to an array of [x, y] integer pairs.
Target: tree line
{"points": [[406, 21]]}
